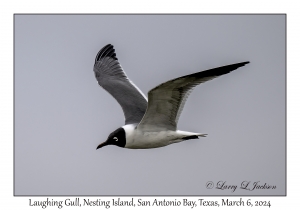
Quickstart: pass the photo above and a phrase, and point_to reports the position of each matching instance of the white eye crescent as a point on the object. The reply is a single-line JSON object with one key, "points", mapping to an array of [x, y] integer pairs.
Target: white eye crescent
{"points": [[115, 138]]}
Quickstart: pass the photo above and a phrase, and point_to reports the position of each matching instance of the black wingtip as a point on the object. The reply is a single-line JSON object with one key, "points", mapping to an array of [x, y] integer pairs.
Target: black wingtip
{"points": [[106, 51], [244, 63], [238, 65], [226, 69]]}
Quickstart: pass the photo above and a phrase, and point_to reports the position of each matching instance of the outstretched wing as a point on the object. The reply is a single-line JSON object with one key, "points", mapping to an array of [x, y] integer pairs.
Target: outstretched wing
{"points": [[113, 79], [166, 101]]}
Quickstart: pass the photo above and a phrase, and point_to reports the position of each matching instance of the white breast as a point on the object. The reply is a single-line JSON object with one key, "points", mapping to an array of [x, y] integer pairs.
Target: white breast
{"points": [[136, 139]]}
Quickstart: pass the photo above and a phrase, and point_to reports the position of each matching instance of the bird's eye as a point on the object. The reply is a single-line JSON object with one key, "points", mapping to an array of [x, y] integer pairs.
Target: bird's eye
{"points": [[115, 138]]}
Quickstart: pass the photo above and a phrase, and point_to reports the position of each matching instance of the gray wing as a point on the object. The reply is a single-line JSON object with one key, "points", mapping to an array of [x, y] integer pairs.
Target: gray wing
{"points": [[166, 101], [113, 79]]}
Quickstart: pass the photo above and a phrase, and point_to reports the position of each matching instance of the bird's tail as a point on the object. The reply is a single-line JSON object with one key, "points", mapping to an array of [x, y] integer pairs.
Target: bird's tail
{"points": [[194, 136], [202, 134]]}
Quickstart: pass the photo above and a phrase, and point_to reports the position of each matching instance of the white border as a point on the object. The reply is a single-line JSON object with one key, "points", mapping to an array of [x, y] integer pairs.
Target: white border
{"points": [[8, 8]]}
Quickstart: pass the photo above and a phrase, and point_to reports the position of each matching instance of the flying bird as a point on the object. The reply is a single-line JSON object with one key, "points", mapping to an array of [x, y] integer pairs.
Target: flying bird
{"points": [[152, 123]]}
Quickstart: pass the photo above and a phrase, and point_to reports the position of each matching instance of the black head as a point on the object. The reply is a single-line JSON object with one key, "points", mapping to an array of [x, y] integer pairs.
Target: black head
{"points": [[118, 138]]}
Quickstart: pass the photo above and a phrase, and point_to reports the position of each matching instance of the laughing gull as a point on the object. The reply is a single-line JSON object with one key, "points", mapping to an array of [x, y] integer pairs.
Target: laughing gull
{"points": [[149, 124]]}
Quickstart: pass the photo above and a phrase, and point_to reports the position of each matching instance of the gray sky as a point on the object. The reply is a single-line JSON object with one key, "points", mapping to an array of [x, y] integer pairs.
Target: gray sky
{"points": [[61, 114]]}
